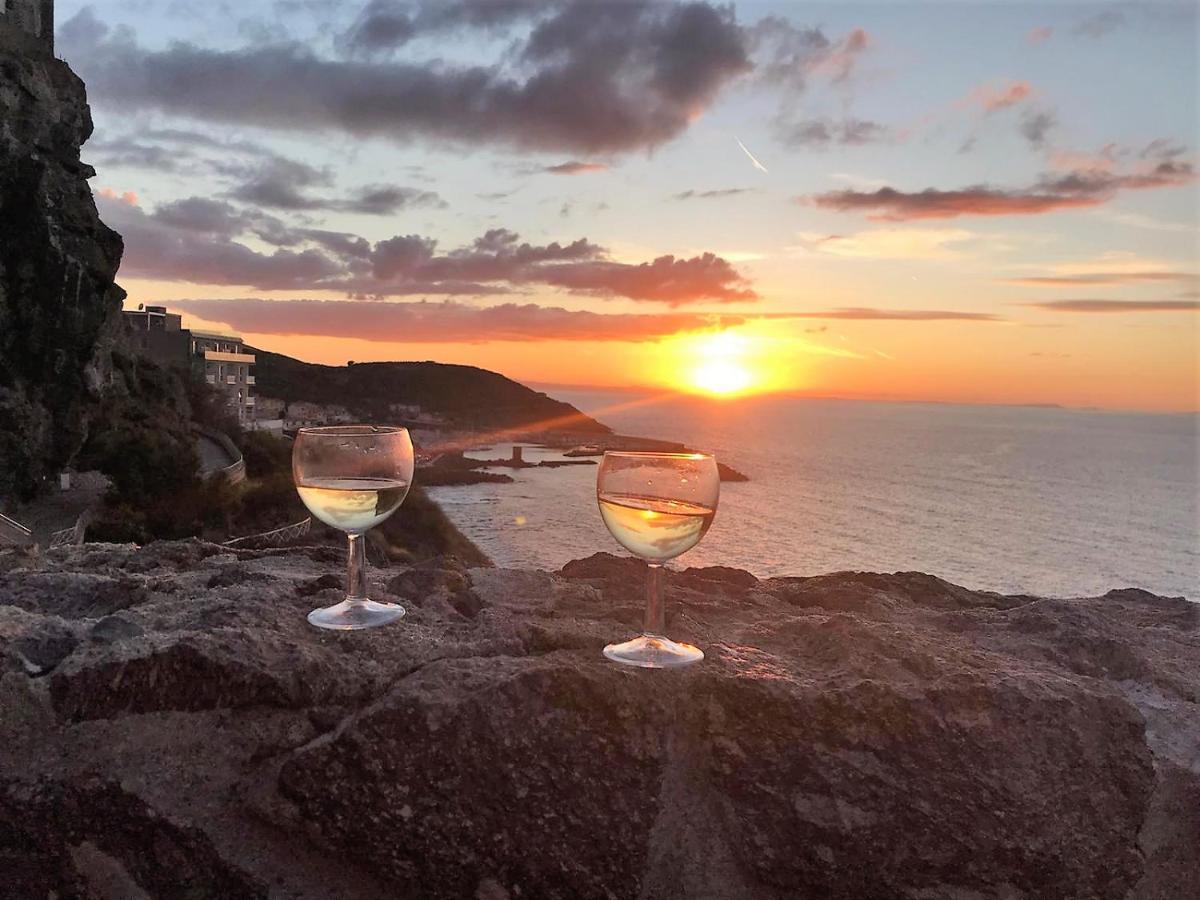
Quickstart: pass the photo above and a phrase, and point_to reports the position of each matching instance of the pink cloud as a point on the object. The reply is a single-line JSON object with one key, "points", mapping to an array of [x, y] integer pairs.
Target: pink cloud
{"points": [[446, 322], [1039, 35], [575, 168], [992, 97], [128, 197]]}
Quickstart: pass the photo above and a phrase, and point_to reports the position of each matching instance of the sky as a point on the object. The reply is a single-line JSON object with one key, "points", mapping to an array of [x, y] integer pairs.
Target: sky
{"points": [[957, 202]]}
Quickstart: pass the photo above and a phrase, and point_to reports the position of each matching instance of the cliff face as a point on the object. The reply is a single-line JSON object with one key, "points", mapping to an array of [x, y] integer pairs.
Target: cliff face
{"points": [[59, 305], [171, 726]]}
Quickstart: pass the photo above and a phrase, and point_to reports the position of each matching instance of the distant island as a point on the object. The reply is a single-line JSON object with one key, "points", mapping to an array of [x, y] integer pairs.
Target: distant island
{"points": [[465, 396], [450, 408]]}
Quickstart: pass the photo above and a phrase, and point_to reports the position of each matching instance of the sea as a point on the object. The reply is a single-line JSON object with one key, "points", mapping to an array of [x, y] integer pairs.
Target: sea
{"points": [[1046, 501]]}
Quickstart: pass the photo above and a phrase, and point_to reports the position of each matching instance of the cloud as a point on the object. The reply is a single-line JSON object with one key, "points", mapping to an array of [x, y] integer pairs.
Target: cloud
{"points": [[589, 77], [710, 195], [1106, 278], [129, 152], [866, 313], [183, 151], [445, 322], [384, 26], [196, 240], [154, 248], [1117, 306], [202, 214], [280, 183], [788, 55], [128, 197], [1072, 190], [1100, 23], [892, 243], [995, 97], [666, 279], [1039, 35], [575, 168], [1036, 126], [822, 133]]}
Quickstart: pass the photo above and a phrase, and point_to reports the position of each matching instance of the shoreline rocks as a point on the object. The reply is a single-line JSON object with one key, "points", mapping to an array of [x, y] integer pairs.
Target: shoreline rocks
{"points": [[848, 735]]}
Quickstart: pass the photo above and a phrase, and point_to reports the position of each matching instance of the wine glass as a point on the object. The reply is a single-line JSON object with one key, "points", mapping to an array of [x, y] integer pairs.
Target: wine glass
{"points": [[657, 506], [352, 477]]}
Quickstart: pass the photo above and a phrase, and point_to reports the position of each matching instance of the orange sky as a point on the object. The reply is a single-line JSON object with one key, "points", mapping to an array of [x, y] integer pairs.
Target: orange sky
{"points": [[858, 209], [1103, 361]]}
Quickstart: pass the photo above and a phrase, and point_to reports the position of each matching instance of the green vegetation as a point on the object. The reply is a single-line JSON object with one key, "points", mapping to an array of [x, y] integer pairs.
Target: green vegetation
{"points": [[157, 493]]}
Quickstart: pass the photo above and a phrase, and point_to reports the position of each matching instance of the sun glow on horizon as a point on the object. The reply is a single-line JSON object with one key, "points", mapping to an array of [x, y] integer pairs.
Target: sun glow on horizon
{"points": [[722, 377], [722, 364]]}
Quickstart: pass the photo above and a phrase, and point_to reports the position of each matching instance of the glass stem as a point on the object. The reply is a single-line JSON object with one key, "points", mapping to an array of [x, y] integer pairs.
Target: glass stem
{"points": [[656, 616], [356, 569]]}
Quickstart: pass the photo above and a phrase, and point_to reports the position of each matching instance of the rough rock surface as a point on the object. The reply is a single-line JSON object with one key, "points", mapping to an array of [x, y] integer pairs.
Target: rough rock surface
{"points": [[170, 726], [58, 302]]}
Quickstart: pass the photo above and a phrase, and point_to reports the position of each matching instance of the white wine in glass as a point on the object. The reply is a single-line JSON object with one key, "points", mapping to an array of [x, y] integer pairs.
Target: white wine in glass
{"points": [[657, 506], [352, 477]]}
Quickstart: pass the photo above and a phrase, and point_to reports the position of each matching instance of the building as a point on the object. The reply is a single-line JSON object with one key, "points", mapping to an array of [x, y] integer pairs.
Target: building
{"points": [[221, 359], [33, 17]]}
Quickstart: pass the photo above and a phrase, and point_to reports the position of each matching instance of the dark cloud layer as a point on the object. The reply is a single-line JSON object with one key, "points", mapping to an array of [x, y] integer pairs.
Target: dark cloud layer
{"points": [[1051, 192], [445, 322], [198, 240], [592, 77], [383, 26], [275, 191], [1117, 306]]}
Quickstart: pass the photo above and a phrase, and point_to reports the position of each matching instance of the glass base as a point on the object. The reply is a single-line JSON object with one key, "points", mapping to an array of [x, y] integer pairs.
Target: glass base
{"points": [[351, 615], [653, 652]]}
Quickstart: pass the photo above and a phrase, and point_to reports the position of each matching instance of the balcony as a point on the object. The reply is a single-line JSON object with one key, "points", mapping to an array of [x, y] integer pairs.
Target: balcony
{"points": [[218, 356]]}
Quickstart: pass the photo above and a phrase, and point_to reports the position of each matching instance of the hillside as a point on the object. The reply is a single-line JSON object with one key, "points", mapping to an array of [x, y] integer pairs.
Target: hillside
{"points": [[466, 395]]}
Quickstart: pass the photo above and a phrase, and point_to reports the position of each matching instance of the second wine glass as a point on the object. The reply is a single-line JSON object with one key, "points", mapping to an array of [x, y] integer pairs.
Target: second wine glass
{"points": [[352, 477], [657, 506]]}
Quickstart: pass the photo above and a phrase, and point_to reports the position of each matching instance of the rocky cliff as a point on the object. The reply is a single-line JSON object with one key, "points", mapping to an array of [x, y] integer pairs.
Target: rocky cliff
{"points": [[58, 302], [170, 726]]}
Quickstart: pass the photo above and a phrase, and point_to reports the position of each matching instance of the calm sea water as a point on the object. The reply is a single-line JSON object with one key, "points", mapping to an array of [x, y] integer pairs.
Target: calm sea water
{"points": [[1045, 501]]}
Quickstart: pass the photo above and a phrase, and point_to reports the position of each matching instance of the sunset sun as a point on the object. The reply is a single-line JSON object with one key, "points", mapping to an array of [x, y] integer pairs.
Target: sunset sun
{"points": [[719, 364], [722, 377]]}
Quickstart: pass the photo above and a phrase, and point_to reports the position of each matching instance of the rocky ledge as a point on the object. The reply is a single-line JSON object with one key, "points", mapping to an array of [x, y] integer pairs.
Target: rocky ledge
{"points": [[170, 726]]}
